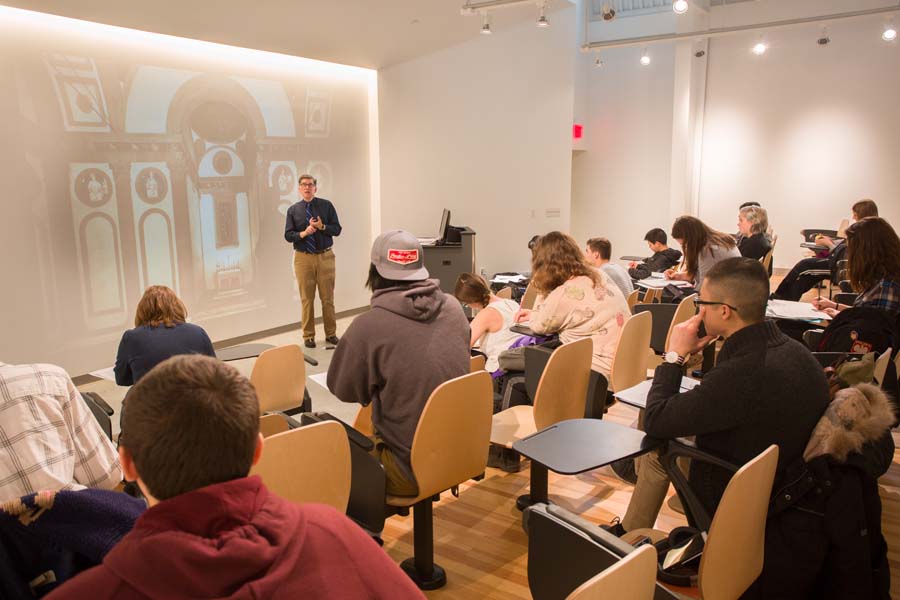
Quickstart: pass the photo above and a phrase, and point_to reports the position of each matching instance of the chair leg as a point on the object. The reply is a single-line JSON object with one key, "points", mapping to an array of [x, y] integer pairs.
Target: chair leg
{"points": [[421, 568]]}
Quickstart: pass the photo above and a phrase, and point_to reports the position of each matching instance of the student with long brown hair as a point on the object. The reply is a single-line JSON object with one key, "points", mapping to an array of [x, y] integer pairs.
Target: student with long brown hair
{"points": [[703, 247], [873, 266], [574, 300], [160, 331]]}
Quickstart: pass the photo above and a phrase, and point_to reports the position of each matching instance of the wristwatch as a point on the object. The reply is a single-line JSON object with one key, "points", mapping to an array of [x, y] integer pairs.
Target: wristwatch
{"points": [[674, 358]]}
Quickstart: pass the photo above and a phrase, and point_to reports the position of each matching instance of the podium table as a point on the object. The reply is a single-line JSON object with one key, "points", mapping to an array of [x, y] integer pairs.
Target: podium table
{"points": [[446, 261]]}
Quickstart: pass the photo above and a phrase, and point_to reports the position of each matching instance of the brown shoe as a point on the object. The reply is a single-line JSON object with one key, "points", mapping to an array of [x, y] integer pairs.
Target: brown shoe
{"points": [[310, 343], [332, 340]]}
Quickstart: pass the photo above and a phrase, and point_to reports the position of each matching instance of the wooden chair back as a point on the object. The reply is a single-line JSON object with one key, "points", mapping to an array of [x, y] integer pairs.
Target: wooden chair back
{"points": [[686, 309], [308, 464], [528, 297], [652, 295], [452, 438], [279, 376], [629, 366], [881, 365], [632, 299], [476, 363], [733, 554], [271, 424], [505, 293], [632, 578], [562, 390], [767, 259], [363, 421]]}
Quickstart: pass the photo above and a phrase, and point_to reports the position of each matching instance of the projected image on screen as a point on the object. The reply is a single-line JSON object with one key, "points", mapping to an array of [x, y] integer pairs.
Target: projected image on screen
{"points": [[132, 169]]}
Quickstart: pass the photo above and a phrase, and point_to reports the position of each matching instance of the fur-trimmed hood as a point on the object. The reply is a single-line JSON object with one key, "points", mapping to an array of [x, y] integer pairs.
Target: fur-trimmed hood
{"points": [[857, 415]]}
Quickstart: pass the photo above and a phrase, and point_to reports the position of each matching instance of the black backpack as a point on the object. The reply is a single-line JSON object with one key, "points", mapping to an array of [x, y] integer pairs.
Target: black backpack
{"points": [[864, 329]]}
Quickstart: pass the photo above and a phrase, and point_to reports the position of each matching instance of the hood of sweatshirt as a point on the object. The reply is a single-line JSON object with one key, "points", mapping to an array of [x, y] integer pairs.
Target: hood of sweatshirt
{"points": [[419, 300], [215, 542], [672, 254]]}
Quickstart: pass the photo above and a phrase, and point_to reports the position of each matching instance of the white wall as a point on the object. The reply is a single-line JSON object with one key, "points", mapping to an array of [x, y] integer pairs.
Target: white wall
{"points": [[620, 183], [805, 130], [484, 129]]}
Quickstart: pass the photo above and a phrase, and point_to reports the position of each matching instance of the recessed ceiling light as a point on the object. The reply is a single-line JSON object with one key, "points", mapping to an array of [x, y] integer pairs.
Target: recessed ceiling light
{"points": [[680, 6], [760, 48], [645, 58], [889, 34]]}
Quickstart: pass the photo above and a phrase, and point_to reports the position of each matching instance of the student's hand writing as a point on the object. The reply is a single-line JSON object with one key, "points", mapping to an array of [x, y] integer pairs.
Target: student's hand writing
{"points": [[669, 273], [684, 338], [523, 315], [632, 265], [823, 303]]}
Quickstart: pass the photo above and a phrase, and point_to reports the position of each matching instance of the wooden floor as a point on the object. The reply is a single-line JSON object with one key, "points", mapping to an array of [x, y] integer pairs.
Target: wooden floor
{"points": [[480, 542]]}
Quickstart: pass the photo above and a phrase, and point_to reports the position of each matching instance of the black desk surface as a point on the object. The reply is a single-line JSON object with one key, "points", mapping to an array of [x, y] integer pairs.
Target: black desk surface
{"points": [[523, 329], [242, 351], [579, 445]]}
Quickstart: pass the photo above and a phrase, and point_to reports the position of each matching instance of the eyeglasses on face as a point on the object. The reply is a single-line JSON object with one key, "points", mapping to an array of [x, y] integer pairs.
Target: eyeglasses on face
{"points": [[698, 302], [307, 184]]}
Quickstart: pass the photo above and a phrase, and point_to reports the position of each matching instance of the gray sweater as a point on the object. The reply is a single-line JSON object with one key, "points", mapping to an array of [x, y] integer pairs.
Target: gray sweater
{"points": [[415, 338]]}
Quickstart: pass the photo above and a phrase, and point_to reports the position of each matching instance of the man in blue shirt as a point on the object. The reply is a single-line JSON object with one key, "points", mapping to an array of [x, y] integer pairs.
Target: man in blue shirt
{"points": [[311, 224]]}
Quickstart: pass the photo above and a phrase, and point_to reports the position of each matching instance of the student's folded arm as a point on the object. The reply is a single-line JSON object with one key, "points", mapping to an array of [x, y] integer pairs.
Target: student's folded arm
{"points": [[711, 406]]}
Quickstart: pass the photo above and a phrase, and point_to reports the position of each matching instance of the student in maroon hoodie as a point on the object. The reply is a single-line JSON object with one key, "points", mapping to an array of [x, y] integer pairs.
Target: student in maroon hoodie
{"points": [[190, 436]]}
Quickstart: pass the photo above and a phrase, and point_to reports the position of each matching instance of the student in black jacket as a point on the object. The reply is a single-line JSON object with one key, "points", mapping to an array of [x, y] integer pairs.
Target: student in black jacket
{"points": [[160, 332], [663, 257], [765, 389]]}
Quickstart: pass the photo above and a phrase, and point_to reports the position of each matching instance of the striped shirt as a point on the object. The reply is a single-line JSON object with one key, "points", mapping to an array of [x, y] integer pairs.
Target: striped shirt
{"points": [[49, 439]]}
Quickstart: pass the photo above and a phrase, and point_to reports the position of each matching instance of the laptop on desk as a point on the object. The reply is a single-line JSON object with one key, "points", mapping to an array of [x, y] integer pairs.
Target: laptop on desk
{"points": [[441, 238]]}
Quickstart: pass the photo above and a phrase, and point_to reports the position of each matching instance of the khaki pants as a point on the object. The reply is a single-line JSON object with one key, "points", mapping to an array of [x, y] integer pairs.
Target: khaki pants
{"points": [[649, 493], [397, 483], [316, 270]]}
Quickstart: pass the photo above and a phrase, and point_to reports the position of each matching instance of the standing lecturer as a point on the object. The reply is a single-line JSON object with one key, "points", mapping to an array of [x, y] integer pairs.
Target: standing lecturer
{"points": [[311, 224]]}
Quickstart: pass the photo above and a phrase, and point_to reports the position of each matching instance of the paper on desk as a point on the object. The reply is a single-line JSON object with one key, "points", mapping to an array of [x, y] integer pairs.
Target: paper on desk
{"points": [[637, 395], [798, 311], [656, 282], [320, 378], [508, 279], [108, 374]]}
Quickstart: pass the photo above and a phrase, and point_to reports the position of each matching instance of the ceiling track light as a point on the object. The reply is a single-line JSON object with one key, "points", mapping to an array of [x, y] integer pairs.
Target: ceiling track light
{"points": [[680, 6], [824, 39], [485, 24], [598, 62], [890, 33], [542, 21], [760, 48]]}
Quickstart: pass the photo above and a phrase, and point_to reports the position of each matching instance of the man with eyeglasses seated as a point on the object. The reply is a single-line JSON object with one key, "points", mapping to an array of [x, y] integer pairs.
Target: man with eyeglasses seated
{"points": [[765, 389]]}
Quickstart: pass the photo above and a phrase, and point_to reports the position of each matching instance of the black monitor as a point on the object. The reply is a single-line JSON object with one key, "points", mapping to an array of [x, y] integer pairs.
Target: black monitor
{"points": [[445, 226]]}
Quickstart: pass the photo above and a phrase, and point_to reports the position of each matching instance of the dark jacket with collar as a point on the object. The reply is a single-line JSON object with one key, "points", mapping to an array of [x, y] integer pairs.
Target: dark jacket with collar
{"points": [[660, 261], [765, 389], [296, 222]]}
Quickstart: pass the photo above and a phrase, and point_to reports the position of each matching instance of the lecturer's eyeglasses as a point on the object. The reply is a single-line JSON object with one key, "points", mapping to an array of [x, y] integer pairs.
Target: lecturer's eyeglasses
{"points": [[698, 302], [307, 185]]}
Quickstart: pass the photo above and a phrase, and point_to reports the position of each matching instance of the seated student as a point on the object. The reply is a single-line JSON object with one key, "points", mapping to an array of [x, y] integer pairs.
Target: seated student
{"points": [[415, 338], [794, 284], [575, 300], [765, 389], [490, 327], [873, 266], [160, 331], [753, 223], [190, 436], [598, 252], [663, 257], [703, 248], [50, 438]]}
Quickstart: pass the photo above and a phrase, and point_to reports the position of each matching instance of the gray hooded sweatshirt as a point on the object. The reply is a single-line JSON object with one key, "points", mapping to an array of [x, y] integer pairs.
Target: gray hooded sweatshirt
{"points": [[415, 338]]}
